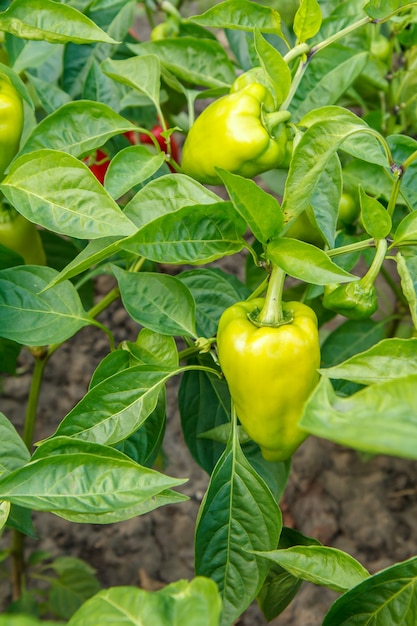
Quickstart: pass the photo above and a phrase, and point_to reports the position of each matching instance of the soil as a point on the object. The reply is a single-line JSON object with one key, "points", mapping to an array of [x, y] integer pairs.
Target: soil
{"points": [[365, 507]]}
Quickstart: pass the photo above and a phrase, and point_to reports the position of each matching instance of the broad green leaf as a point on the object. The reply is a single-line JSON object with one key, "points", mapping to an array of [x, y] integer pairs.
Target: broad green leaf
{"points": [[34, 317], [153, 348], [387, 598], [280, 587], [166, 195], [388, 359], [350, 338], [274, 65], [50, 96], [325, 199], [14, 452], [326, 79], [407, 270], [307, 20], [95, 251], [329, 129], [141, 73], [240, 15], [98, 87], [259, 209], [77, 128], [238, 515], [193, 234], [117, 406], [406, 233], [86, 482], [379, 10], [144, 445], [375, 218], [183, 603], [159, 302], [321, 565], [4, 514], [380, 419], [306, 262], [75, 583], [17, 83], [46, 20], [204, 403], [197, 61], [57, 191], [129, 167], [213, 291]]}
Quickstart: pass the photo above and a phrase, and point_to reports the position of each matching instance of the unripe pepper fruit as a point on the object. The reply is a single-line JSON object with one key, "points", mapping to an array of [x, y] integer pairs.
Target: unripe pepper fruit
{"points": [[230, 133], [270, 371], [11, 122], [21, 236], [353, 300]]}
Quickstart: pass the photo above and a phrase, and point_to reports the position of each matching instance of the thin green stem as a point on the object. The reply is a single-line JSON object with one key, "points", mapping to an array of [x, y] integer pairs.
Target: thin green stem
{"points": [[381, 249], [294, 85], [409, 160], [260, 289], [351, 247], [110, 297], [394, 196], [297, 51], [345, 31], [272, 314], [32, 404], [192, 350]]}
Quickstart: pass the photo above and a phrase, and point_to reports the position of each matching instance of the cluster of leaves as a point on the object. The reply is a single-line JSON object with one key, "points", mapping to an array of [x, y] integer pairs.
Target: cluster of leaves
{"points": [[346, 74]]}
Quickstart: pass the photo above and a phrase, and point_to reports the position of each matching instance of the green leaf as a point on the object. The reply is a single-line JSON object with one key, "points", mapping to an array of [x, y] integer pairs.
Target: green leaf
{"points": [[407, 270], [35, 317], [274, 65], [204, 403], [14, 452], [328, 129], [165, 195], [259, 209], [153, 348], [280, 587], [387, 598], [240, 15], [350, 338], [75, 584], [77, 128], [305, 262], [375, 218], [159, 302], [213, 291], [388, 359], [141, 73], [378, 9], [116, 407], [46, 20], [327, 78], [57, 191], [307, 20], [192, 234], [183, 603], [381, 419], [327, 567], [238, 515], [87, 482], [406, 233], [129, 167], [197, 61], [4, 514]]}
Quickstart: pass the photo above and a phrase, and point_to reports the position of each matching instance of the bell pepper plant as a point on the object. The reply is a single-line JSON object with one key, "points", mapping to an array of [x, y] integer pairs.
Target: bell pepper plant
{"points": [[279, 307]]}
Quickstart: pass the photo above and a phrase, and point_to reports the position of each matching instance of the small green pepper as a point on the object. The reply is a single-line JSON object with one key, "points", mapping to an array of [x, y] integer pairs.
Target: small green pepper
{"points": [[11, 122], [353, 300]]}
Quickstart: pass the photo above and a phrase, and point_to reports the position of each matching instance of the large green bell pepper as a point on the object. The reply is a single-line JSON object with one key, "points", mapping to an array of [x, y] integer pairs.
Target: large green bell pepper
{"points": [[270, 371]]}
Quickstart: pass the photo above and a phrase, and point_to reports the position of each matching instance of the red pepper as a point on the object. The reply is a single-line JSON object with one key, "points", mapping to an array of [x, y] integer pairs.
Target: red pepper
{"points": [[98, 164]]}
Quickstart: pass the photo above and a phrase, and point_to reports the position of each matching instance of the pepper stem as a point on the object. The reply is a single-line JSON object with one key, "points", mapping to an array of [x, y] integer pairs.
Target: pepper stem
{"points": [[272, 313], [272, 120], [368, 280]]}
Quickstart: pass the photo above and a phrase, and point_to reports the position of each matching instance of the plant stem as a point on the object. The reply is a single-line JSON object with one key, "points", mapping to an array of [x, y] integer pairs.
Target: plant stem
{"points": [[272, 314], [381, 248], [351, 247]]}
